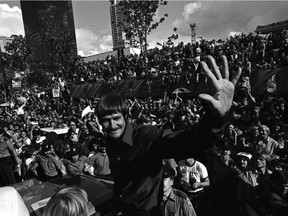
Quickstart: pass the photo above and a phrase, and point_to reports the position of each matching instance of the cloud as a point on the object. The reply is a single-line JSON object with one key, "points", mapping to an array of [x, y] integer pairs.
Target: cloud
{"points": [[10, 20], [89, 43], [218, 19], [233, 33], [190, 9]]}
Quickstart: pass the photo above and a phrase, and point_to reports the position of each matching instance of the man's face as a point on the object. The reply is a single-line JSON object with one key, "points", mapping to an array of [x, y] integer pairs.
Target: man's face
{"points": [[260, 162], [113, 125], [263, 133], [75, 157], [167, 183]]}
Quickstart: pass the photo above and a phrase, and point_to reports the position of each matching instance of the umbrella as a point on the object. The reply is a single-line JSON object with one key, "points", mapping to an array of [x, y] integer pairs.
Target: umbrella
{"points": [[180, 90]]}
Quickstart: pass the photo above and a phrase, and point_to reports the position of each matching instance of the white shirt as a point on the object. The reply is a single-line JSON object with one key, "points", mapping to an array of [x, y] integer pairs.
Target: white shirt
{"points": [[196, 172]]}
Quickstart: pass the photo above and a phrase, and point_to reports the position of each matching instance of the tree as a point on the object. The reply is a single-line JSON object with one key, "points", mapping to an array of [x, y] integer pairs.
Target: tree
{"points": [[63, 51], [138, 21], [19, 53]]}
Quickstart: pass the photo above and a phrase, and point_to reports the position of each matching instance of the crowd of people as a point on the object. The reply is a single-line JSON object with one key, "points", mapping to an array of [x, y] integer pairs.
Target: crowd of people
{"points": [[244, 170]]}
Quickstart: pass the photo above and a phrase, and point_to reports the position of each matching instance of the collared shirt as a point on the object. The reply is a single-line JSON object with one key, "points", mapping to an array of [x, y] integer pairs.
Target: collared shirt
{"points": [[76, 167], [136, 160], [50, 165], [100, 162], [269, 146], [177, 204]]}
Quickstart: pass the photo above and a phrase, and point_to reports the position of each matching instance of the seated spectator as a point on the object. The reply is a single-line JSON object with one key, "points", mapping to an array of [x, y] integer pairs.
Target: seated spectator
{"points": [[71, 201], [98, 163], [244, 161], [175, 202], [48, 163], [75, 164], [266, 143]]}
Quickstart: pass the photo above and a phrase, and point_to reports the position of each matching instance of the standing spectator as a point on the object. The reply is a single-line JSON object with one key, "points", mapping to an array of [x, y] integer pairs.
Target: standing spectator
{"points": [[8, 159], [193, 179], [175, 202]]}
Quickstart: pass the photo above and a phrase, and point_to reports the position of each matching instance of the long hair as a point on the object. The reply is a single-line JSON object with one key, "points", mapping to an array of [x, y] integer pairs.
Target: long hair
{"points": [[70, 201], [111, 103]]}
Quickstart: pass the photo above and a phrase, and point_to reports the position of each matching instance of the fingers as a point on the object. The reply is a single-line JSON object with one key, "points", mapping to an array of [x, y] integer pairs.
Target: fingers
{"points": [[209, 73], [207, 98], [213, 67], [225, 70], [236, 76]]}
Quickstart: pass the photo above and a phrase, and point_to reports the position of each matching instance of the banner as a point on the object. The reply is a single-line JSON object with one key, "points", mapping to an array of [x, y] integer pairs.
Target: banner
{"points": [[271, 84], [16, 83], [56, 92]]}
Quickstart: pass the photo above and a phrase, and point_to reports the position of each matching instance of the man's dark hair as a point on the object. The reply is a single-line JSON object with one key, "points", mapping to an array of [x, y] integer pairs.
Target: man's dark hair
{"points": [[111, 103]]}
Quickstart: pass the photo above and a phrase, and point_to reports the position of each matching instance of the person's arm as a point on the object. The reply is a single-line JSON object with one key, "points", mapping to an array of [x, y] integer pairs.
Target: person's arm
{"points": [[200, 137], [204, 183], [13, 152], [33, 165], [58, 163], [188, 209]]}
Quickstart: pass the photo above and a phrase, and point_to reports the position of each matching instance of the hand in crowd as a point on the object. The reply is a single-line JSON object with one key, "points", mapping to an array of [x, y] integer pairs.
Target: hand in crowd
{"points": [[221, 96]]}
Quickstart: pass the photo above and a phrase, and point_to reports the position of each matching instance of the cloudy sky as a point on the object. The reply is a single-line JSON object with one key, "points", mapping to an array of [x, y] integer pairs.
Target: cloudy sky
{"points": [[214, 20]]}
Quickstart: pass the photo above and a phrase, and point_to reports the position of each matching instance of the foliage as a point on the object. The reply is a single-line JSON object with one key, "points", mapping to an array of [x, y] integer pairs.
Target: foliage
{"points": [[138, 20], [19, 53], [62, 46]]}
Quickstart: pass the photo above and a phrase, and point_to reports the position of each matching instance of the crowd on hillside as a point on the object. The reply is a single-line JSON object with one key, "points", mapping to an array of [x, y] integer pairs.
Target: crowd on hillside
{"points": [[170, 62], [247, 164]]}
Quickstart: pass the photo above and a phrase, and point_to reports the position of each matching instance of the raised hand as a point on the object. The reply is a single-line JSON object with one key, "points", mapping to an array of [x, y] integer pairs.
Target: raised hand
{"points": [[221, 97]]}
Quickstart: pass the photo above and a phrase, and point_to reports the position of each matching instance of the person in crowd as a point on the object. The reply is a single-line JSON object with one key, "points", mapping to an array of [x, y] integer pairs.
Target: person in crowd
{"points": [[244, 161], [73, 132], [75, 164], [274, 196], [48, 163], [70, 201], [99, 162], [266, 143], [174, 202], [193, 179], [8, 159], [136, 151]]}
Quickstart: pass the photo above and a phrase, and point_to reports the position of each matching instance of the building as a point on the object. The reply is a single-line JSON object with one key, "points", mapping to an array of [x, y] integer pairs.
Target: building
{"points": [[266, 29], [3, 42], [50, 17], [118, 35]]}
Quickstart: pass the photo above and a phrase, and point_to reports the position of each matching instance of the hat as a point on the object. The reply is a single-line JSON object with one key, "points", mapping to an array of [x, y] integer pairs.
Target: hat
{"points": [[46, 147], [244, 154], [86, 111], [168, 171], [198, 49], [74, 151]]}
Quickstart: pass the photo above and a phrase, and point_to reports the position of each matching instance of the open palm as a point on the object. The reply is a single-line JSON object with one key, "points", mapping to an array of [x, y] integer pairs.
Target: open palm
{"points": [[220, 100]]}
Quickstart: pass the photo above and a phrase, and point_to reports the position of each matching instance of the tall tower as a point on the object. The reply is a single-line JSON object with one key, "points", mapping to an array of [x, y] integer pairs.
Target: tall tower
{"points": [[193, 33], [40, 17]]}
